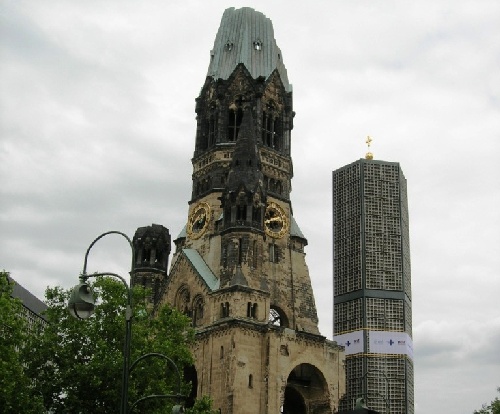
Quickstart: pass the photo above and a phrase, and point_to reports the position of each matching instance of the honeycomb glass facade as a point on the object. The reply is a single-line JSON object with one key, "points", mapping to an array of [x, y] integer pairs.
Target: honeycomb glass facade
{"points": [[372, 284]]}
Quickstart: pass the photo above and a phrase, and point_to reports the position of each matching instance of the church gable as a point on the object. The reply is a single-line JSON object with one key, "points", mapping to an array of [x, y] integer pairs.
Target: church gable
{"points": [[274, 92], [240, 87], [190, 264], [190, 283]]}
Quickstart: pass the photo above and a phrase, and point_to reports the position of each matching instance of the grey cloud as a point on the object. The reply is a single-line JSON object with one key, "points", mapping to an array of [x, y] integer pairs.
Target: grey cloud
{"points": [[98, 124]]}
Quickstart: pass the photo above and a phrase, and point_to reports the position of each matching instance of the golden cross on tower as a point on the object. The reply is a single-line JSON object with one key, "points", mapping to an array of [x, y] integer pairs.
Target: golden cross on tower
{"points": [[369, 155]]}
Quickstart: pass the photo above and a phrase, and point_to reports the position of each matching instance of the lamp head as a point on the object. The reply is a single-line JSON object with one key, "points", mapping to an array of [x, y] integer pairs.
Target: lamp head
{"points": [[81, 303], [360, 403]]}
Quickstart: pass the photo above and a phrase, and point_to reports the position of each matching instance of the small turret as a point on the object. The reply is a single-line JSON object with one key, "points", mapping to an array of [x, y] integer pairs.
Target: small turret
{"points": [[152, 246]]}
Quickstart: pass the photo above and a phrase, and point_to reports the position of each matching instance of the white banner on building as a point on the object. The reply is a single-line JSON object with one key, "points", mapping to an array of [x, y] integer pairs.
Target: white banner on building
{"points": [[382, 342], [352, 341]]}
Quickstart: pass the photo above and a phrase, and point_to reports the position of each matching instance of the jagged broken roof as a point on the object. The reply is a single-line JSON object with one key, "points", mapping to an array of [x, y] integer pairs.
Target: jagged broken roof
{"points": [[246, 36]]}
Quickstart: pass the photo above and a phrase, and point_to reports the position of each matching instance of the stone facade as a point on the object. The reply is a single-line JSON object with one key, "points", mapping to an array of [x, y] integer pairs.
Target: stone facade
{"points": [[239, 268]]}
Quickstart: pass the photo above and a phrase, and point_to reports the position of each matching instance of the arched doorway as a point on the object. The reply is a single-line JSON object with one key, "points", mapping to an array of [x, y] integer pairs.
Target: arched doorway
{"points": [[190, 375], [294, 402], [306, 391]]}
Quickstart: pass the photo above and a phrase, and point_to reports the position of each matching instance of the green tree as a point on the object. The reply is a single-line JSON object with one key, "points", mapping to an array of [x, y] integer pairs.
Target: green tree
{"points": [[17, 394], [202, 406], [492, 408], [78, 363]]}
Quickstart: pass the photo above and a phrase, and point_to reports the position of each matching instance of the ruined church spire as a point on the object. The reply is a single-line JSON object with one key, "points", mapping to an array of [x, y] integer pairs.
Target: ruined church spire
{"points": [[246, 36]]}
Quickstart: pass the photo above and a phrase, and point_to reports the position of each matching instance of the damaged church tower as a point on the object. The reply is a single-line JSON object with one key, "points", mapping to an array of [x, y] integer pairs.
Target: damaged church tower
{"points": [[239, 267]]}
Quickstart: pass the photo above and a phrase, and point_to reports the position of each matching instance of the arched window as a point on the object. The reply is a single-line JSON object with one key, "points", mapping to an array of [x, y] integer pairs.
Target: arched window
{"points": [[198, 306], [202, 140], [250, 381], [256, 215], [212, 130], [182, 300], [279, 187], [233, 125], [241, 213], [277, 317], [252, 310], [274, 253], [158, 256], [146, 255], [274, 317], [224, 256], [271, 128], [254, 255], [240, 251], [224, 310]]}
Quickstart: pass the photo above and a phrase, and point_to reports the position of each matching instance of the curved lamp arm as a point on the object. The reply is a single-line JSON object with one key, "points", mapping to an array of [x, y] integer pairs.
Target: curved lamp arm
{"points": [[84, 272], [178, 396]]}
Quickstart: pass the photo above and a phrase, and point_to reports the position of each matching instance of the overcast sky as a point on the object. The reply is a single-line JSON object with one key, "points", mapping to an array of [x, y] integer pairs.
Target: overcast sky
{"points": [[98, 126]]}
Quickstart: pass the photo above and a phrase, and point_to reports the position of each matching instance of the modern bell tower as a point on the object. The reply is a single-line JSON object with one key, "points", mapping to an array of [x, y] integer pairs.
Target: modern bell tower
{"points": [[372, 284]]}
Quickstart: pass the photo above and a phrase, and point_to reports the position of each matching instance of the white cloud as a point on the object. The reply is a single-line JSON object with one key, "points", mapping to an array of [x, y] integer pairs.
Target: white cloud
{"points": [[98, 125]]}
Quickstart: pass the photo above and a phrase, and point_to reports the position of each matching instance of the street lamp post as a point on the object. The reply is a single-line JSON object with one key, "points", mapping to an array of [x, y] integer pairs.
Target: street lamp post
{"points": [[81, 305]]}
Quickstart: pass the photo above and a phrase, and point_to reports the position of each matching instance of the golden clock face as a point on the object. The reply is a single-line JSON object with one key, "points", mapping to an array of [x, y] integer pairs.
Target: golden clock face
{"points": [[275, 221], [198, 220]]}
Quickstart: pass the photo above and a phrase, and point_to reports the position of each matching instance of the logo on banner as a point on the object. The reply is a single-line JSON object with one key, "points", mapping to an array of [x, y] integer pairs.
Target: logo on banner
{"points": [[384, 342], [353, 342]]}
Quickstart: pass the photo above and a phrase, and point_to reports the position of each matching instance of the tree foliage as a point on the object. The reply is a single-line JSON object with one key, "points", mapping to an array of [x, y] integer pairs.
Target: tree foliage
{"points": [[202, 406], [78, 363], [492, 408], [17, 393]]}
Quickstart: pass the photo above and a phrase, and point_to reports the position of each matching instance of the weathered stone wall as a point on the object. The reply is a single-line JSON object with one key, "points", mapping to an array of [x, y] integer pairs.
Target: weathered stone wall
{"points": [[245, 368]]}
